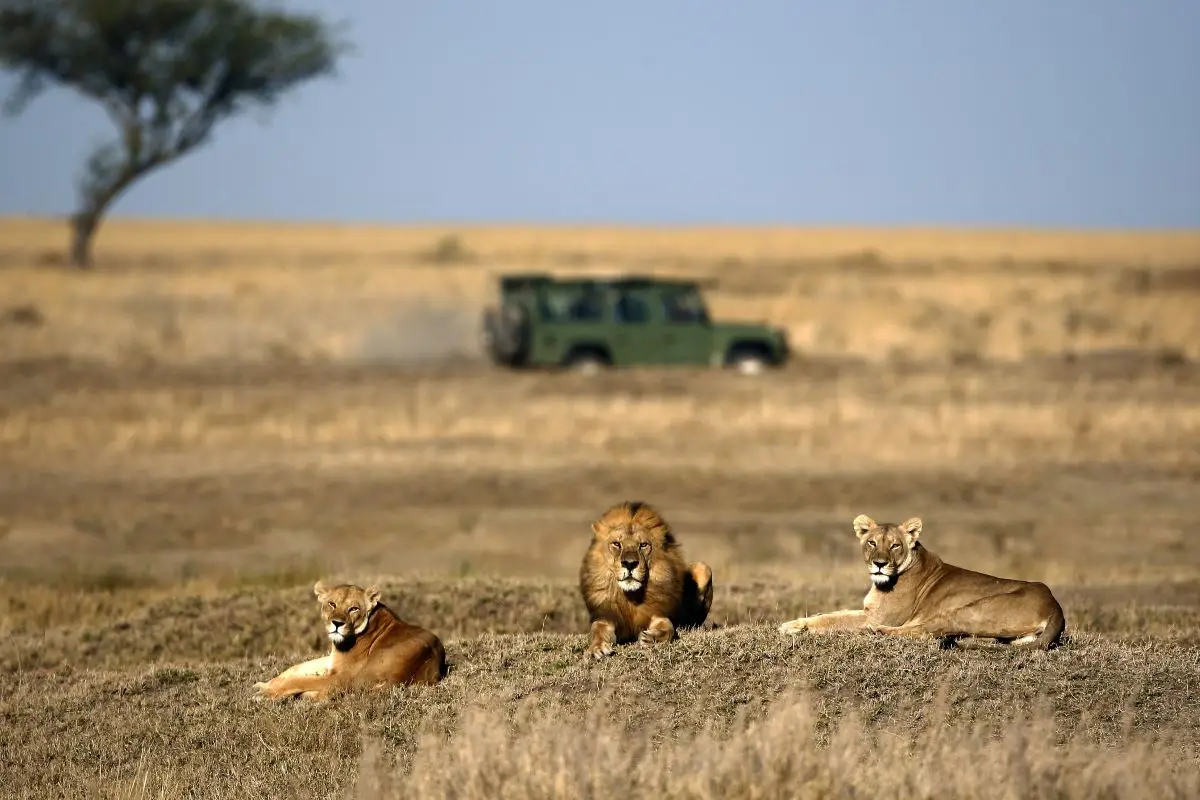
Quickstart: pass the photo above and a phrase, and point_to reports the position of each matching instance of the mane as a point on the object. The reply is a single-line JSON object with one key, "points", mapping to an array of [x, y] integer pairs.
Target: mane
{"points": [[648, 515]]}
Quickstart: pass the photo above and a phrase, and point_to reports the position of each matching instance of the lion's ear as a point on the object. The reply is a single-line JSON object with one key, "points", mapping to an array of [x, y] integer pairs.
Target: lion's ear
{"points": [[320, 588], [598, 529], [862, 524], [372, 593], [912, 529]]}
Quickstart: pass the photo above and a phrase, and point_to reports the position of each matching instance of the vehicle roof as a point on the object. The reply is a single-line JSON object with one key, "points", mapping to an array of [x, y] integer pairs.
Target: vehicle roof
{"points": [[517, 281]]}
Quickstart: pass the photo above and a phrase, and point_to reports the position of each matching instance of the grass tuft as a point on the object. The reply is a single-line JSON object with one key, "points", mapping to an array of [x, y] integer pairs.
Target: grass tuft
{"points": [[788, 752]]}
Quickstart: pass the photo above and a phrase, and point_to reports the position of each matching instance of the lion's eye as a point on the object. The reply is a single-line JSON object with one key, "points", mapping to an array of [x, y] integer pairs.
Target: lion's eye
{"points": [[353, 610], [332, 604], [644, 545], [870, 543], [615, 545], [896, 546]]}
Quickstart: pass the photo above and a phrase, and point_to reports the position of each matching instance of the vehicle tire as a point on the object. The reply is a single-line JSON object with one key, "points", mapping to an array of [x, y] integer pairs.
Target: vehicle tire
{"points": [[748, 362], [506, 332], [585, 363]]}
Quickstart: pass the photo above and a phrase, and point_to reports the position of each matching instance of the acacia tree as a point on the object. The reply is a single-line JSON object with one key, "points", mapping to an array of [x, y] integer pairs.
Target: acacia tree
{"points": [[165, 71]]}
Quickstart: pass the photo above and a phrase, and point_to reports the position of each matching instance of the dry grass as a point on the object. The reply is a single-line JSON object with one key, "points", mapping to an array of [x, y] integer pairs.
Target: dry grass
{"points": [[194, 473], [909, 417], [146, 581], [123, 238], [1107, 715], [186, 292], [190, 436], [786, 754]]}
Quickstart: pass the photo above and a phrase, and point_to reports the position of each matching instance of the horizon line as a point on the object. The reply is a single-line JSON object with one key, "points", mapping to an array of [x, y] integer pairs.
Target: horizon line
{"points": [[992, 228]]}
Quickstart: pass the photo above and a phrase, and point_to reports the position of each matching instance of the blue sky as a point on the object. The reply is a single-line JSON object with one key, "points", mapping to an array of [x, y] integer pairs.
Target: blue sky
{"points": [[1081, 113]]}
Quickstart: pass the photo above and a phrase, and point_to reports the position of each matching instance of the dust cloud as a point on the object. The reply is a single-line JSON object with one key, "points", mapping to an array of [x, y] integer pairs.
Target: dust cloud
{"points": [[421, 333]]}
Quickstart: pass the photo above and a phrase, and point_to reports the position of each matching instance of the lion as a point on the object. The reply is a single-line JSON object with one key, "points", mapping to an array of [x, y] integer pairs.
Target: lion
{"points": [[636, 583], [372, 648], [915, 593]]}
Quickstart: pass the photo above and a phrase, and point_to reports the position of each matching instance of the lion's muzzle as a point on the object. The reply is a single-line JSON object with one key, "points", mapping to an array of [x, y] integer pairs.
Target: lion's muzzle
{"points": [[882, 572], [631, 576], [338, 630]]}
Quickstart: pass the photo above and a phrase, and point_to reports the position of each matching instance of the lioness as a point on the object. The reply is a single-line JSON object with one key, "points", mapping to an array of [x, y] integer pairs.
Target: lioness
{"points": [[915, 593], [372, 648], [635, 582]]}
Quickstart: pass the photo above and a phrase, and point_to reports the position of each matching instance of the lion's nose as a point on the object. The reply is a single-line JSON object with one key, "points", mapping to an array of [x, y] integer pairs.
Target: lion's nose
{"points": [[629, 563], [337, 623], [879, 562]]}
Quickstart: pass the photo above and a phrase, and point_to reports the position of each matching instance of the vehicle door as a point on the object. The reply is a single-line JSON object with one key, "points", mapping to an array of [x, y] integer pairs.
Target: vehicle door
{"points": [[637, 330], [569, 314], [687, 332]]}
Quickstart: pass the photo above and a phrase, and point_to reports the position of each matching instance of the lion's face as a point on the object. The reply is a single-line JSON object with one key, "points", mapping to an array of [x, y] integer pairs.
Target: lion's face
{"points": [[345, 610], [887, 548], [632, 536]]}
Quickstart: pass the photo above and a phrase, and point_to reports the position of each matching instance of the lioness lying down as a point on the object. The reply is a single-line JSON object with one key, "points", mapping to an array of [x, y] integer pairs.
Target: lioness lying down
{"points": [[915, 593], [372, 649]]}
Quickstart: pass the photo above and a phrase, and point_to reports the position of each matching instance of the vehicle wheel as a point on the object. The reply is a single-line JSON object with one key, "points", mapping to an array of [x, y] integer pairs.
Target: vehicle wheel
{"points": [[748, 363], [585, 364]]}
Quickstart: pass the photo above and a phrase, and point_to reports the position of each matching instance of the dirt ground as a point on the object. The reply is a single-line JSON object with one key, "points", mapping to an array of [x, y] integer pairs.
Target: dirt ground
{"points": [[163, 517]]}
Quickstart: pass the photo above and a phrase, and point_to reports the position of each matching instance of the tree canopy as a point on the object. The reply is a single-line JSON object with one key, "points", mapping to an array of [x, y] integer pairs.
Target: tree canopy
{"points": [[167, 72]]}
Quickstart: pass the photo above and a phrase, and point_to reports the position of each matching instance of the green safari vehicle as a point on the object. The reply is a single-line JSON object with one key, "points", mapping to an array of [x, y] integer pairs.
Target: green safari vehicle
{"points": [[586, 324]]}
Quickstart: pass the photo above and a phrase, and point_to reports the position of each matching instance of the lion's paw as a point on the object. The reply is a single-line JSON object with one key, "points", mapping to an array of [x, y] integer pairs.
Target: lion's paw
{"points": [[264, 691], [603, 650], [793, 628], [648, 638]]}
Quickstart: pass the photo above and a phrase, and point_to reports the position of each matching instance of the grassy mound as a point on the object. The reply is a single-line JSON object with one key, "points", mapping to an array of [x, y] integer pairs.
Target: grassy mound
{"points": [[157, 702]]}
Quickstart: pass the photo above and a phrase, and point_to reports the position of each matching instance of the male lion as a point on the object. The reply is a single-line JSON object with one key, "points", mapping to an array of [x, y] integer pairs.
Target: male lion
{"points": [[372, 649], [915, 593], [635, 582]]}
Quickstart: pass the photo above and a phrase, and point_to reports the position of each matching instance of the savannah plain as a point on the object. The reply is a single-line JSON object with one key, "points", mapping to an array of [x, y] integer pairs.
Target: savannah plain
{"points": [[219, 414]]}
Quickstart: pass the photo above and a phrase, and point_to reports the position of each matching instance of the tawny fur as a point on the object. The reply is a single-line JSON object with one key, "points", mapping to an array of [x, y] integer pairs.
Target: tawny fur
{"points": [[915, 593], [372, 648], [632, 543]]}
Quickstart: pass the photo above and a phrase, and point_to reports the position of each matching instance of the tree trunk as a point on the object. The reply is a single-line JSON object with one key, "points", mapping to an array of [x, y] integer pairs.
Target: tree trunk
{"points": [[83, 229], [99, 190], [92, 206]]}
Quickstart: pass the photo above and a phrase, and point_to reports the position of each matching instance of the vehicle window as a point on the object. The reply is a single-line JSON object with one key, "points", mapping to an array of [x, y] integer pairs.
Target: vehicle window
{"points": [[632, 309], [684, 306], [588, 306], [555, 305], [571, 304]]}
